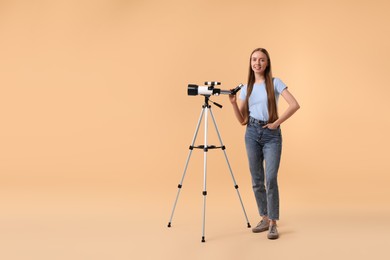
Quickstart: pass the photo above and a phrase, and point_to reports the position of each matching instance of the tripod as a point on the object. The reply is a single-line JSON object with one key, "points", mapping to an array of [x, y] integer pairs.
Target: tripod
{"points": [[205, 109]]}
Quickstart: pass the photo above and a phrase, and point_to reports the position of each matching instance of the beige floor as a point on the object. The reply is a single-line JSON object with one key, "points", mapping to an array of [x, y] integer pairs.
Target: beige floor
{"points": [[120, 224]]}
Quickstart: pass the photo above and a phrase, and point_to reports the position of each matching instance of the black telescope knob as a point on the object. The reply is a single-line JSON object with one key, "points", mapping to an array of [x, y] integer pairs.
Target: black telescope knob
{"points": [[212, 83]]}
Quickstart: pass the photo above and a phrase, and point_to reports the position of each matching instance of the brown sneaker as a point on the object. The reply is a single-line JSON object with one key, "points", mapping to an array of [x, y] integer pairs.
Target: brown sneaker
{"points": [[262, 226], [273, 232]]}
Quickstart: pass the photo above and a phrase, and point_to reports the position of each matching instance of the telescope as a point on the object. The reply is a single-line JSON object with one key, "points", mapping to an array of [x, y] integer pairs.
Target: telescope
{"points": [[209, 89]]}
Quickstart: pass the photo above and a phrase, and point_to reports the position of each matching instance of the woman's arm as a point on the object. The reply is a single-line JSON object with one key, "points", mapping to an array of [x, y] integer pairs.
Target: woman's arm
{"points": [[293, 106], [237, 108]]}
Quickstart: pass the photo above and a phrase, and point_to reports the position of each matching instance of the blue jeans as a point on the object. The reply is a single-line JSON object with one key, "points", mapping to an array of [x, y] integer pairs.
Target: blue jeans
{"points": [[264, 146]]}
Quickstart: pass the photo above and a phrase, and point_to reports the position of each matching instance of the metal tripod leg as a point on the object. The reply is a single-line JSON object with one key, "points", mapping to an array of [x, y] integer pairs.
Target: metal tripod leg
{"points": [[230, 169], [205, 150], [186, 165]]}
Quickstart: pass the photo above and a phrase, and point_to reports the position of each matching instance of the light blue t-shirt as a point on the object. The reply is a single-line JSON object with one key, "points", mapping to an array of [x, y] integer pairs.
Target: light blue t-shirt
{"points": [[258, 104]]}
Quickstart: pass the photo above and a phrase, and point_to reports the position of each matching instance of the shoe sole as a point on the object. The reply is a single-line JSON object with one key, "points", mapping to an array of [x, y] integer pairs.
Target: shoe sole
{"points": [[259, 230], [273, 237]]}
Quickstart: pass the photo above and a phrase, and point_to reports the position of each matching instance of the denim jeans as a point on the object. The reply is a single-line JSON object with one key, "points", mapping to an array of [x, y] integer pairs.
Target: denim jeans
{"points": [[264, 148]]}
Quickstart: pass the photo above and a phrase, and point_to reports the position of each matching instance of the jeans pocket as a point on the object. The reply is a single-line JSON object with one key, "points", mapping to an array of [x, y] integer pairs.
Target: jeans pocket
{"points": [[276, 131]]}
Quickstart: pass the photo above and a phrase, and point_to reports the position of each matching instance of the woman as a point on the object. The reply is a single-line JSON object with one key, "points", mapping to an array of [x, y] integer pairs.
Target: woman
{"points": [[263, 139]]}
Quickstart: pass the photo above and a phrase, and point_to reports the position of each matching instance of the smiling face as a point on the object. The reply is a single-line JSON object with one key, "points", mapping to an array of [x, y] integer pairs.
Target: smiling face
{"points": [[259, 62]]}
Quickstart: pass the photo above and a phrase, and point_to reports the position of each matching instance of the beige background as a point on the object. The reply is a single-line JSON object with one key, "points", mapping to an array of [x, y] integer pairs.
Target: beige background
{"points": [[96, 124]]}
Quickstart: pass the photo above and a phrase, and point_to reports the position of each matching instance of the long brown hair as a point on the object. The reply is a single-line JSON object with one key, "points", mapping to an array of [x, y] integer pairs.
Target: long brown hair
{"points": [[272, 108]]}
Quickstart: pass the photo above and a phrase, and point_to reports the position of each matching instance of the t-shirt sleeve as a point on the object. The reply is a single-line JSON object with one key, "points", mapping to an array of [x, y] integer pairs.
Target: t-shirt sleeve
{"points": [[243, 93], [279, 85]]}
